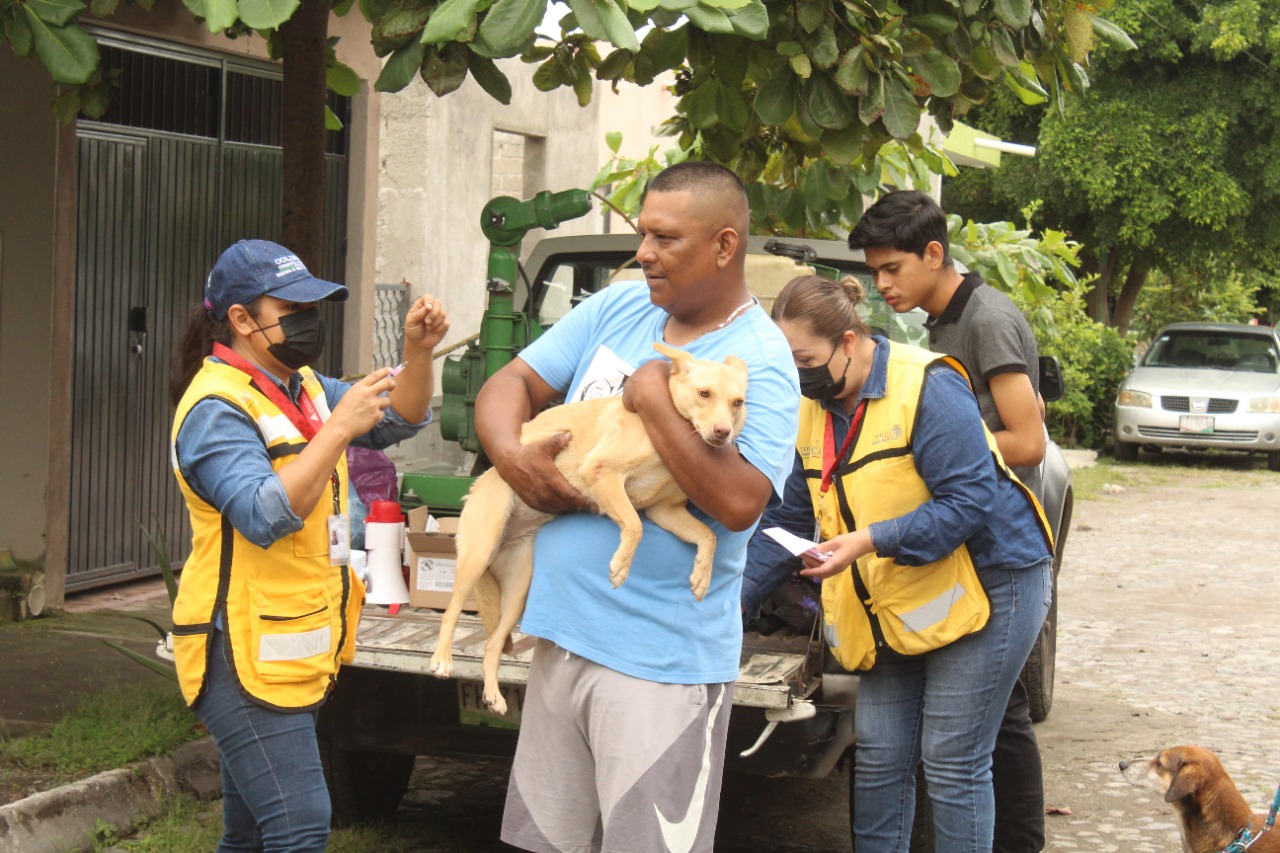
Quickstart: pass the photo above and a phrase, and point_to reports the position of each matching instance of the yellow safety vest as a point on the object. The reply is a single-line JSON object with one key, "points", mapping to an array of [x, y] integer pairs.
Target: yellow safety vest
{"points": [[915, 608], [291, 616]]}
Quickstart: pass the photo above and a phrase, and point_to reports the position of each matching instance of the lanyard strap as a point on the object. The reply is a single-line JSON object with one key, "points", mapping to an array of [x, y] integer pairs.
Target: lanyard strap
{"points": [[829, 443], [303, 414]]}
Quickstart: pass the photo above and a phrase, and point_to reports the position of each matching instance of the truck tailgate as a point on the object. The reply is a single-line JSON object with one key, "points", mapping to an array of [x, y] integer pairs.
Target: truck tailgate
{"points": [[773, 670]]}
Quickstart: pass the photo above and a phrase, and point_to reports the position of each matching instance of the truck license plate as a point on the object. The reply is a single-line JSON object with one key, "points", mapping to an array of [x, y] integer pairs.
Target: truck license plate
{"points": [[472, 710], [1195, 423]]}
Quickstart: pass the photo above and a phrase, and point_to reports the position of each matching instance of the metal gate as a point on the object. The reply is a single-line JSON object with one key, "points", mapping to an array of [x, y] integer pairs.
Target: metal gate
{"points": [[186, 161]]}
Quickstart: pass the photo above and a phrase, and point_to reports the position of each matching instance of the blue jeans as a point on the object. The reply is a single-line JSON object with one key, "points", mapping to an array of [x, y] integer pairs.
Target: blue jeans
{"points": [[944, 706], [274, 799]]}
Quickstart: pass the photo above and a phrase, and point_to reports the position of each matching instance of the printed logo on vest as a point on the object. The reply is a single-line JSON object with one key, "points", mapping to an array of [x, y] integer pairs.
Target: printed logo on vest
{"points": [[892, 434]]}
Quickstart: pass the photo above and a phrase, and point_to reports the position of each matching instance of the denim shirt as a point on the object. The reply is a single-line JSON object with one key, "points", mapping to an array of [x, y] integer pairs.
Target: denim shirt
{"points": [[220, 453], [972, 502]]}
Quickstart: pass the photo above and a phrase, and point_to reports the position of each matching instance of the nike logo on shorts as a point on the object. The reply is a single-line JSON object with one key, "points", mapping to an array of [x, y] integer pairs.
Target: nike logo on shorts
{"points": [[680, 835]]}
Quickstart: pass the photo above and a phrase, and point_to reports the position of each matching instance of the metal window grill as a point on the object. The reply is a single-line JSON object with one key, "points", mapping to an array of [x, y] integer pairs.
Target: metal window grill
{"points": [[390, 305]]}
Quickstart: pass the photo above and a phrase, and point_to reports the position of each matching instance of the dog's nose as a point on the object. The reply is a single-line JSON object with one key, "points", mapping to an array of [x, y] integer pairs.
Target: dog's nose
{"points": [[1124, 765], [720, 432]]}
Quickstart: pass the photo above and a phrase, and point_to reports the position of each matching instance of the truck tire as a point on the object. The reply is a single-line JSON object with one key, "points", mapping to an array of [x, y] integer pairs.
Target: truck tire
{"points": [[364, 787], [922, 832], [1041, 666]]}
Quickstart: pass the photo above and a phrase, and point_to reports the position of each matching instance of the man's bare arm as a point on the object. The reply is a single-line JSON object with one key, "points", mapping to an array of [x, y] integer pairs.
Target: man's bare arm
{"points": [[508, 399], [1021, 442]]}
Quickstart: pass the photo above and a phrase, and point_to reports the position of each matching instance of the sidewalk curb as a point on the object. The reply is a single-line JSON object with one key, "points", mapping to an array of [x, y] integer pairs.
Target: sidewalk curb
{"points": [[64, 818]]}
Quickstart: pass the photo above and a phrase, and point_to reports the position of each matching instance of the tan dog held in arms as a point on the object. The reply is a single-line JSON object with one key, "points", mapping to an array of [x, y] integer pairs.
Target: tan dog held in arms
{"points": [[1210, 811], [611, 460]]}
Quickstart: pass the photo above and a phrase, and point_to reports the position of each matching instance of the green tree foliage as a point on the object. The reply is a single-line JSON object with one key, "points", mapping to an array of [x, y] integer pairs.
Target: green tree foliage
{"points": [[1168, 161]]}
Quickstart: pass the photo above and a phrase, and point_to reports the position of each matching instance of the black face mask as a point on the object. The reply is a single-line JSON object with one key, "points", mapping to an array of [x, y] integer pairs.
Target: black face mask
{"points": [[817, 383], [303, 338]]}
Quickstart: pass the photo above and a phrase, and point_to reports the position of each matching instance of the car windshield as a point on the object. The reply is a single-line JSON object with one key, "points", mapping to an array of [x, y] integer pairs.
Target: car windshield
{"points": [[1214, 350]]}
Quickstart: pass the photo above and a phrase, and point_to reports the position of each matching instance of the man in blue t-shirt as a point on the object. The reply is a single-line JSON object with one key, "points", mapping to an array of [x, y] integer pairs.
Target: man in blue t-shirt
{"points": [[625, 719]]}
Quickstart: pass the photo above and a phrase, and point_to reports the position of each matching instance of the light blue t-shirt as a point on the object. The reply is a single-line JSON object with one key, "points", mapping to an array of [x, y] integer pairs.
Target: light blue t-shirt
{"points": [[652, 627]]}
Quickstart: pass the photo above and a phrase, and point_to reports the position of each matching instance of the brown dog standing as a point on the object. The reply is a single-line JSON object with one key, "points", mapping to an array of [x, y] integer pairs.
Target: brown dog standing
{"points": [[1210, 810], [611, 460]]}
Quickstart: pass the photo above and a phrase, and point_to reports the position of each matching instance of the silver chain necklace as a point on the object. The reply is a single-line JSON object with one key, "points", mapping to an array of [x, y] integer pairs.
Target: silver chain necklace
{"points": [[727, 320]]}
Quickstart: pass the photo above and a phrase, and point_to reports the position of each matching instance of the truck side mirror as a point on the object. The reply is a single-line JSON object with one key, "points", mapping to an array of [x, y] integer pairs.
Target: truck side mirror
{"points": [[1051, 386]]}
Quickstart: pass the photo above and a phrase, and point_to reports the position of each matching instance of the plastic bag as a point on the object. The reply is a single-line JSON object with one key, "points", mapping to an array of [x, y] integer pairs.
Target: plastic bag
{"points": [[372, 474]]}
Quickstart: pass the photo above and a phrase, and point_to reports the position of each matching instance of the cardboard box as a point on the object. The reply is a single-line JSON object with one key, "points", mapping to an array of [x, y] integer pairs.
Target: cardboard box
{"points": [[432, 562]]}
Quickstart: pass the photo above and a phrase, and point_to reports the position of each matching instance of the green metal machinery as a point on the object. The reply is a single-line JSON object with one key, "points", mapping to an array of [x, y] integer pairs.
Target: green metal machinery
{"points": [[504, 331]]}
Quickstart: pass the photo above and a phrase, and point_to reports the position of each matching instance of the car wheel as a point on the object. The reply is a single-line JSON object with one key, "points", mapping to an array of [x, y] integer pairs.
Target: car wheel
{"points": [[1125, 451], [1273, 460], [364, 787], [922, 832]]}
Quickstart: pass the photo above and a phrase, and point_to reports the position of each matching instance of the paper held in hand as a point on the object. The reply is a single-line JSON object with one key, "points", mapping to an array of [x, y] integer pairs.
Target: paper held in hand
{"points": [[797, 546]]}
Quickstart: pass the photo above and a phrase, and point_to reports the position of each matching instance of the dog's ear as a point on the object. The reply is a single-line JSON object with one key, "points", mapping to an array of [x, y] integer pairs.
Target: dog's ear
{"points": [[679, 358], [736, 363], [1185, 778]]}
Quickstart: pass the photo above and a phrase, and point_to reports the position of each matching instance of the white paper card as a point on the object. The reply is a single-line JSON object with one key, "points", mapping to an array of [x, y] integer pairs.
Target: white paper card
{"points": [[789, 540]]}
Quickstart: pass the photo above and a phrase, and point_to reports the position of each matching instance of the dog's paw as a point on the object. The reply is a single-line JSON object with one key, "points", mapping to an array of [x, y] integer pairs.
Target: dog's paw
{"points": [[494, 702], [618, 572], [441, 665], [698, 583]]}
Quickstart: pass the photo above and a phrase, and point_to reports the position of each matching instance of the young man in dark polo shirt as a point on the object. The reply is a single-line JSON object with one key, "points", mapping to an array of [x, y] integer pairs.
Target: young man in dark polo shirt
{"points": [[904, 239]]}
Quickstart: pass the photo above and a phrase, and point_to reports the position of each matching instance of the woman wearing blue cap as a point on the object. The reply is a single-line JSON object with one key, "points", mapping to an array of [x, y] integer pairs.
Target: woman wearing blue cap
{"points": [[268, 606]]}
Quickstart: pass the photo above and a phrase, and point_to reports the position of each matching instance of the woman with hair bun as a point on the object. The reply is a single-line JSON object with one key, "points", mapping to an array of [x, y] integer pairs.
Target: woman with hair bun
{"points": [[934, 562]]}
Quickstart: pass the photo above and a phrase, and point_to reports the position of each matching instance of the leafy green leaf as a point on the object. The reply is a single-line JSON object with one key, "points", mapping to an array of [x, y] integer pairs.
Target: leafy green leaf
{"points": [[490, 77], [940, 72], [751, 21], [1111, 34], [588, 14], [776, 99], [700, 105], [616, 25], [935, 24], [827, 104], [510, 23], [449, 20], [666, 48], [400, 68], [731, 108], [444, 68], [852, 72], [1014, 13], [1026, 87], [821, 47], [331, 120], [614, 140], [810, 14], [217, 14], [341, 79], [55, 13], [901, 112], [266, 14], [871, 105], [548, 76], [342, 7], [18, 32], [69, 53], [709, 19], [103, 8]]}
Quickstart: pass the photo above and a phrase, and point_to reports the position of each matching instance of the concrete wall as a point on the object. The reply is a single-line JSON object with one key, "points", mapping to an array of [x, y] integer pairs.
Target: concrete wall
{"points": [[440, 167], [27, 162]]}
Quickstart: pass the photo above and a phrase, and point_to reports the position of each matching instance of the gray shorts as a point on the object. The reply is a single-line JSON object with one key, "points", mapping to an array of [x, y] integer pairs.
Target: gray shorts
{"points": [[607, 763]]}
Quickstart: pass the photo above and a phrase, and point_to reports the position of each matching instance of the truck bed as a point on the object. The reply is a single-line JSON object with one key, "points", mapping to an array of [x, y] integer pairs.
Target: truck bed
{"points": [[773, 671]]}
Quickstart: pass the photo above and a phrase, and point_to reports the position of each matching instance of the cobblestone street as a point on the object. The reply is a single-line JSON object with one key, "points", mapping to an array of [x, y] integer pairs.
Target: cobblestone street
{"points": [[1170, 596]]}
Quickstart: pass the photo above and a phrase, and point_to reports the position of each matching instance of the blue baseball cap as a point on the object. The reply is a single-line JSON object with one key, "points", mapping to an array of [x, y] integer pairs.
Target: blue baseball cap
{"points": [[254, 268]]}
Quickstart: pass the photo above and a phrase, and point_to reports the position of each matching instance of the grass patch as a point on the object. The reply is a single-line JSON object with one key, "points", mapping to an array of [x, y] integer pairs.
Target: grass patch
{"points": [[1090, 482], [121, 724]]}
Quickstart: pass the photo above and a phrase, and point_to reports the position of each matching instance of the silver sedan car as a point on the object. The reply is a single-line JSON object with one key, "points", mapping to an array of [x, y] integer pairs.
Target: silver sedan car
{"points": [[1203, 385]]}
